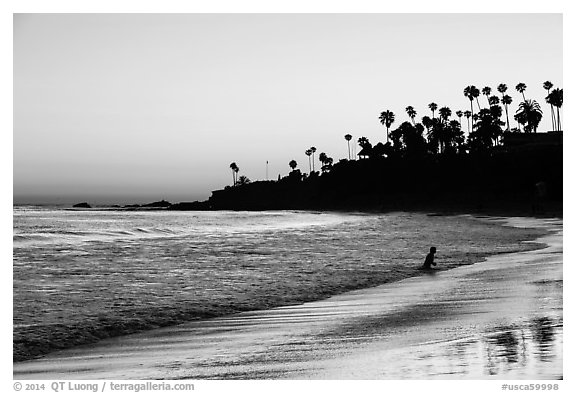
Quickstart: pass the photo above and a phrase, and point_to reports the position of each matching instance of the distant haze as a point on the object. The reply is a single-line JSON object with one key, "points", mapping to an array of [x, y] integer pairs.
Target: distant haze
{"points": [[118, 108]]}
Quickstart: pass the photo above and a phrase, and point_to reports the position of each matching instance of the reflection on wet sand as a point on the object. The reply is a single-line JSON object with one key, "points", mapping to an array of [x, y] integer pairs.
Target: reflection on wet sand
{"points": [[529, 350], [544, 331], [511, 349]]}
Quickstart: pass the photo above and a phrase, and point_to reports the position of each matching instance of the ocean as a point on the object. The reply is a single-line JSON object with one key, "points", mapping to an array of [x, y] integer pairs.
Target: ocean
{"points": [[83, 275]]}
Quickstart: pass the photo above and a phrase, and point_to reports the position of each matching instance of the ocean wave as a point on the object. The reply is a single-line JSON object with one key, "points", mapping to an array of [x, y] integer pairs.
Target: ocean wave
{"points": [[75, 237], [38, 227]]}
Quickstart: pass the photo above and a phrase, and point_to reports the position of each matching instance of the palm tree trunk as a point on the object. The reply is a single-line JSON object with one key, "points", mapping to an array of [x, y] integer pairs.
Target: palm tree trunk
{"points": [[349, 157], [313, 162], [558, 118], [472, 111], [468, 125], [507, 122], [478, 102], [386, 134], [552, 112]]}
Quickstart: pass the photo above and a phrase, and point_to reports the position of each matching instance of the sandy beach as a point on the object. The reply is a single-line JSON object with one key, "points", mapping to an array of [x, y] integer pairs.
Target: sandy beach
{"points": [[502, 318]]}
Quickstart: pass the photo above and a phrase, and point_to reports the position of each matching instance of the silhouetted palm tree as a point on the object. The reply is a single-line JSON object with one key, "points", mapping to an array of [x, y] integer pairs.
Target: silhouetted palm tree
{"points": [[459, 114], [433, 108], [507, 100], [529, 114], [454, 135], [445, 114], [411, 113], [348, 138], [309, 153], [556, 98], [386, 119], [493, 100], [468, 94], [293, 164], [234, 169], [496, 112], [442, 131], [502, 88], [521, 87], [547, 86], [486, 91], [313, 150], [468, 114], [472, 92], [476, 94]]}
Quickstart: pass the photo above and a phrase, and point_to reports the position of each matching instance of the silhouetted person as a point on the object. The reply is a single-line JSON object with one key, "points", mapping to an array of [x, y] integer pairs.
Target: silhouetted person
{"points": [[430, 259]]}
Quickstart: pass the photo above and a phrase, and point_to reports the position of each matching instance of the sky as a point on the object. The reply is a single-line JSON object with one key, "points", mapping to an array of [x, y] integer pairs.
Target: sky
{"points": [[120, 108]]}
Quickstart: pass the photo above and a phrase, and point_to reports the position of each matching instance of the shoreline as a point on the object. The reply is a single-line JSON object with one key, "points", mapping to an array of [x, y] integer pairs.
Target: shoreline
{"points": [[553, 209], [175, 344]]}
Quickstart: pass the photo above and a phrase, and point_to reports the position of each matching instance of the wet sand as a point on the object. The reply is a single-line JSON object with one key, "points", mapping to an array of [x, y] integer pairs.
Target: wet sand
{"points": [[501, 318]]}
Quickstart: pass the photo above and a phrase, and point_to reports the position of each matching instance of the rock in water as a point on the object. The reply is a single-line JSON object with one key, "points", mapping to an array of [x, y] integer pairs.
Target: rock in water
{"points": [[83, 205]]}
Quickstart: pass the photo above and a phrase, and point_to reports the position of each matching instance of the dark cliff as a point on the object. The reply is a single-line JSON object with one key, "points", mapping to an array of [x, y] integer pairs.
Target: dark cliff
{"points": [[505, 178]]}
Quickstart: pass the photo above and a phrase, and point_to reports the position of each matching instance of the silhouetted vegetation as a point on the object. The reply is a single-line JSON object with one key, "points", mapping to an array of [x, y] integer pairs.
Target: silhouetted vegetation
{"points": [[556, 99], [243, 180], [348, 138], [235, 170], [529, 115], [429, 164]]}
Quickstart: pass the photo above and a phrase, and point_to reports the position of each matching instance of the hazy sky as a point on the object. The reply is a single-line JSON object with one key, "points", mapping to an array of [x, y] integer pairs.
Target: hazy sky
{"points": [[121, 107]]}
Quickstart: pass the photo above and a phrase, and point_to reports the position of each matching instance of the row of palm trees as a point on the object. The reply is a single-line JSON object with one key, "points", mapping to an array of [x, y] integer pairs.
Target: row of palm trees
{"points": [[528, 113], [484, 127], [555, 98]]}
